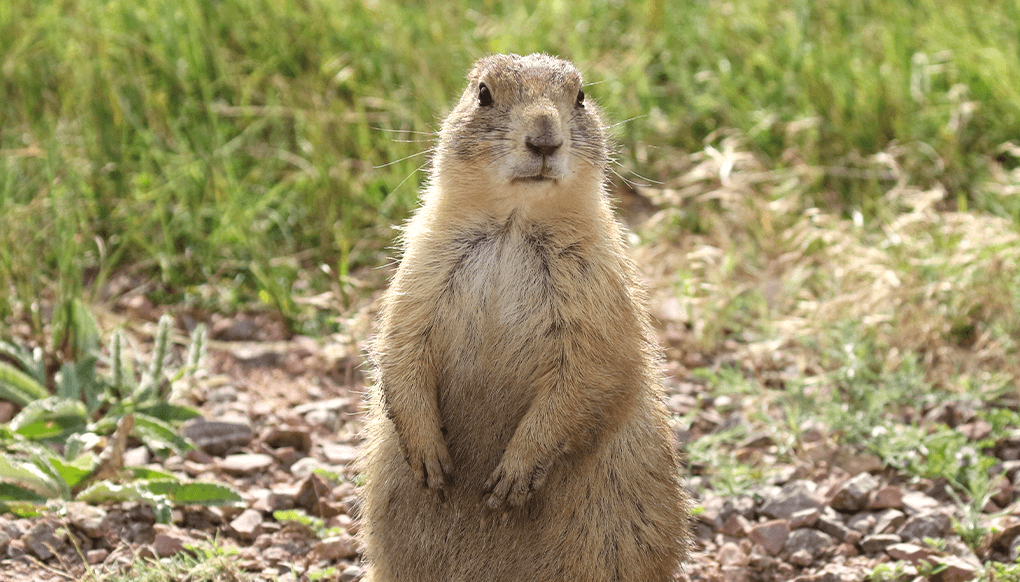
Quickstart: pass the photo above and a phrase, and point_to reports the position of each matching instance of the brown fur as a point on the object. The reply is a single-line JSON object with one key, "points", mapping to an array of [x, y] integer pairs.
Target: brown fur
{"points": [[517, 431]]}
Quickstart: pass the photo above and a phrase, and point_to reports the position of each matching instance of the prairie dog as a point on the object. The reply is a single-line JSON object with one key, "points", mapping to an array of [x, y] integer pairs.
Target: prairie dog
{"points": [[517, 431]]}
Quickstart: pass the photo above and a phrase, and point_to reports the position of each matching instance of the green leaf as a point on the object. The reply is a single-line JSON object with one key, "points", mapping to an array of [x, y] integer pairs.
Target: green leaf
{"points": [[170, 412], [73, 472], [150, 474], [30, 362], [51, 418], [159, 436], [106, 492], [18, 387], [204, 493], [30, 476]]}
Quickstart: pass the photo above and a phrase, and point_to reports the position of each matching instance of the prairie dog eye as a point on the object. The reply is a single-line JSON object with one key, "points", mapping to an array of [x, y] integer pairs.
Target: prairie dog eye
{"points": [[484, 96], [580, 97]]}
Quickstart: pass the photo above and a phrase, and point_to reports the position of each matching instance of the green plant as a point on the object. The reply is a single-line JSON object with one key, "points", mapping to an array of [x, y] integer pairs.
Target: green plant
{"points": [[301, 518]]}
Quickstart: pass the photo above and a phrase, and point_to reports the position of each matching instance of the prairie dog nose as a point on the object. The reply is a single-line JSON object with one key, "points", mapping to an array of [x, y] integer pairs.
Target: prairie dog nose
{"points": [[545, 137]]}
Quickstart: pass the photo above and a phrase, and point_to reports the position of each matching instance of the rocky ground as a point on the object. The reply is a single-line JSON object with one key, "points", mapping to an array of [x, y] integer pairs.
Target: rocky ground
{"points": [[278, 409]]}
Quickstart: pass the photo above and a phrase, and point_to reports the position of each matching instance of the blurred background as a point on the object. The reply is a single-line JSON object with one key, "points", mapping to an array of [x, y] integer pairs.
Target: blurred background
{"points": [[824, 194]]}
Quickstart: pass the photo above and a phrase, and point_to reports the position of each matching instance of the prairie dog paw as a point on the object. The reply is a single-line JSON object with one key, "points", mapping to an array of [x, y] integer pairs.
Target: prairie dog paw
{"points": [[430, 462], [513, 484]]}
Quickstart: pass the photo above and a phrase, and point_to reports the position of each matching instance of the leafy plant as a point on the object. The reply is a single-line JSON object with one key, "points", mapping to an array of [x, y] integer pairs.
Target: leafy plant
{"points": [[49, 444]]}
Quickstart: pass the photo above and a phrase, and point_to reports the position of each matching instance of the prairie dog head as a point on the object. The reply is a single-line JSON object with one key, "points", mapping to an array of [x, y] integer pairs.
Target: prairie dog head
{"points": [[522, 135]]}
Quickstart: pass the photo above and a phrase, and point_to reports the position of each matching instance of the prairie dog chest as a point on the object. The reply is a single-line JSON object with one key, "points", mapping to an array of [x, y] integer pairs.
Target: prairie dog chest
{"points": [[503, 286]]}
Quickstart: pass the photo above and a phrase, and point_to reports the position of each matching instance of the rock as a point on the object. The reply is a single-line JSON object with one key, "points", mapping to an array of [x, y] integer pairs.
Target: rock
{"points": [[335, 405], [810, 540], [248, 525], [1004, 530], [170, 541], [736, 526], [340, 454], [771, 535], [912, 553], [94, 557], [853, 495], [862, 522], [299, 439], [89, 519], [915, 502], [1014, 549], [6, 411], [889, 521], [953, 569], [217, 437], [804, 518], [258, 355], [976, 430], [890, 497], [313, 495], [878, 542], [730, 554], [41, 541], [833, 526], [931, 524], [246, 464], [801, 558], [793, 497], [350, 574], [336, 548], [238, 329]]}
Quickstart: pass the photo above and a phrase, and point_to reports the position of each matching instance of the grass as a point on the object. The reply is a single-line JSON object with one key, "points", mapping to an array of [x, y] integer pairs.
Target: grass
{"points": [[836, 186], [236, 144]]}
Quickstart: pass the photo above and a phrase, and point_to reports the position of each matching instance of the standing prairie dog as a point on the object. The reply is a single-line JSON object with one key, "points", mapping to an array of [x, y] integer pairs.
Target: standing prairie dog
{"points": [[517, 431]]}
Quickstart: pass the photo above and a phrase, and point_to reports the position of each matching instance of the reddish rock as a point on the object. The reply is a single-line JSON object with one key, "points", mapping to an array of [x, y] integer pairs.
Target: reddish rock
{"points": [[890, 497], [771, 535]]}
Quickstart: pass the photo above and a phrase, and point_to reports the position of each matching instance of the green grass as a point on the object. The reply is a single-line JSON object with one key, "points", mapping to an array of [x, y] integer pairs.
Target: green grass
{"points": [[235, 143]]}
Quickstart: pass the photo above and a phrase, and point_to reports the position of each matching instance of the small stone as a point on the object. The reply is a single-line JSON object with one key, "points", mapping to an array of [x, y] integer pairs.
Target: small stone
{"points": [[248, 525], [890, 497], [246, 464], [736, 526], [136, 457], [1004, 530], [299, 439], [770, 535], [862, 522], [907, 552], [953, 569], [832, 526], [340, 454], [977, 430], [915, 502], [313, 495], [238, 329], [811, 540], [730, 554], [932, 524], [170, 542], [6, 411], [878, 542], [801, 558], [1014, 549], [793, 497], [350, 574], [336, 548], [853, 495], [218, 437], [89, 519], [41, 540], [804, 518], [94, 557], [889, 521]]}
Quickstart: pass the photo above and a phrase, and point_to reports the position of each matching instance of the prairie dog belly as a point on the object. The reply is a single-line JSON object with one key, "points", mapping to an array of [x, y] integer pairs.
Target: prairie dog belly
{"points": [[494, 346]]}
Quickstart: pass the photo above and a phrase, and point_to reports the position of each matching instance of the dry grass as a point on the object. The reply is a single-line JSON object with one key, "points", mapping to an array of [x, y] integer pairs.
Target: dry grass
{"points": [[764, 276]]}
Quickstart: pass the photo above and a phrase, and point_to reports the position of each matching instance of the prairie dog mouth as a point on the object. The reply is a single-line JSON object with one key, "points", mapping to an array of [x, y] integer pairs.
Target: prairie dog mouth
{"points": [[535, 178]]}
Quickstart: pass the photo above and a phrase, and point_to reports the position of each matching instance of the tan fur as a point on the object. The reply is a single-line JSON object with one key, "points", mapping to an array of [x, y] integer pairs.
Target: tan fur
{"points": [[517, 431]]}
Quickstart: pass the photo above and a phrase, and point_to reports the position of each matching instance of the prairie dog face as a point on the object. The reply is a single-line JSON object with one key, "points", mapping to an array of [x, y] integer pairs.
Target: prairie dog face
{"points": [[522, 131]]}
